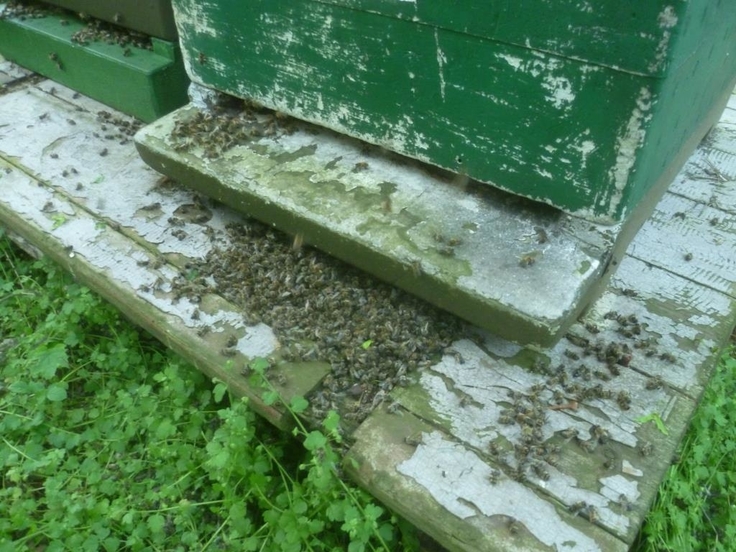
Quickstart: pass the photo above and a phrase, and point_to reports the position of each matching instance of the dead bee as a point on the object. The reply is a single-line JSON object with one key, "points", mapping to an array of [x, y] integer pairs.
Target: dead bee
{"points": [[571, 354], [228, 352], [646, 448], [195, 314], [416, 268], [53, 56], [540, 471], [714, 221], [624, 503], [542, 236], [446, 251], [577, 507], [232, 341], [48, 207], [454, 242], [494, 476], [592, 328], [415, 439], [103, 152], [628, 292], [203, 331], [680, 215], [505, 419], [668, 357], [655, 383], [394, 407], [514, 527], [71, 122], [588, 445], [144, 288], [118, 18], [688, 256], [592, 514], [151, 207], [54, 156], [578, 341], [598, 433], [360, 166], [493, 449], [623, 399], [528, 259], [127, 52]]}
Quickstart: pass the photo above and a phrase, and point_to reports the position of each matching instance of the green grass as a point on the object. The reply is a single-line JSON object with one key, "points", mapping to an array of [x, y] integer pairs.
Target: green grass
{"points": [[696, 505], [110, 442]]}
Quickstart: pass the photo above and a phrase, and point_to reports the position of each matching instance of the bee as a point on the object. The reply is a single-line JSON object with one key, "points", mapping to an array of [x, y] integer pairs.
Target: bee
{"points": [[127, 52], [600, 434], [360, 167], [624, 503], [602, 375], [542, 236], [231, 341], [71, 122], [577, 341], [558, 396], [296, 245], [195, 314], [454, 242], [506, 419], [528, 259], [577, 507], [592, 514], [118, 18], [494, 476], [628, 292], [655, 383], [446, 251], [588, 446], [416, 268], [54, 156], [540, 471], [151, 207], [514, 527], [227, 352], [48, 207], [144, 288], [714, 221], [571, 354], [415, 439], [592, 328], [680, 215], [623, 399], [668, 357], [103, 152], [203, 331], [688, 257], [394, 407], [53, 56], [646, 448], [493, 449]]}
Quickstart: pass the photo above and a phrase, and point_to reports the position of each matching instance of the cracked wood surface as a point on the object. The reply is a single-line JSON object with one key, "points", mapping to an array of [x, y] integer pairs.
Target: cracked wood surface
{"points": [[441, 481]]}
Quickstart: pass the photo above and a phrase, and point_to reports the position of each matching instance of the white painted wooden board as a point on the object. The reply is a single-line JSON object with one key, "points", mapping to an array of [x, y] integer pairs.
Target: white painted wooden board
{"points": [[102, 229]]}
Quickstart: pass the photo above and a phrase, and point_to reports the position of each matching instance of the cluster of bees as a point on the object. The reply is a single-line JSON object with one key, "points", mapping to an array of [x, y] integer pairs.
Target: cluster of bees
{"points": [[566, 387], [116, 128], [25, 10], [373, 335], [227, 124], [101, 31]]}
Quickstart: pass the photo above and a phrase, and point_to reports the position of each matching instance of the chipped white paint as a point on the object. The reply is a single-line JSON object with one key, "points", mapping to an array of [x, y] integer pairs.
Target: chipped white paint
{"points": [[513, 61], [584, 148], [629, 141], [667, 20], [629, 469], [458, 480], [441, 61], [191, 15], [560, 89]]}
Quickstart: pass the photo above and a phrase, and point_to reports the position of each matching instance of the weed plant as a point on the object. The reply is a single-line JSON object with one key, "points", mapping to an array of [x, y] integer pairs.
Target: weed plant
{"points": [[110, 442], [695, 508]]}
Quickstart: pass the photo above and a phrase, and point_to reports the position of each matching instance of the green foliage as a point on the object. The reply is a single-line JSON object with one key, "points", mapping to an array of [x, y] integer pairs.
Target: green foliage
{"points": [[109, 442], [695, 507]]}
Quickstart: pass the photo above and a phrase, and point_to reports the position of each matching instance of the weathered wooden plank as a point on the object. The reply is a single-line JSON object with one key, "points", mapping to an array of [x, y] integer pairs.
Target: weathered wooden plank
{"points": [[73, 217], [395, 221], [690, 239], [671, 316], [462, 511]]}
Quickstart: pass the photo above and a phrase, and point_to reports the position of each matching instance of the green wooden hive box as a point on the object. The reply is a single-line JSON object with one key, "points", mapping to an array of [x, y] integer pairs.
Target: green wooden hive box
{"points": [[591, 106], [151, 17]]}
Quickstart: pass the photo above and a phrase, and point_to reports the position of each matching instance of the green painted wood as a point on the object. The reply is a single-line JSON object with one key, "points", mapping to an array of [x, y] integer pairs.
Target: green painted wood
{"points": [[145, 84], [568, 126], [151, 17]]}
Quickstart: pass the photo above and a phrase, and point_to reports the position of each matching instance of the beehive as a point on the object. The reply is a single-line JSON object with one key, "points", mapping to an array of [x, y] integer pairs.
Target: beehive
{"points": [[151, 17], [589, 106]]}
